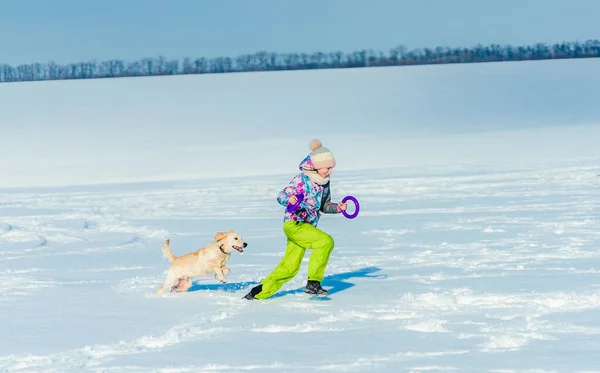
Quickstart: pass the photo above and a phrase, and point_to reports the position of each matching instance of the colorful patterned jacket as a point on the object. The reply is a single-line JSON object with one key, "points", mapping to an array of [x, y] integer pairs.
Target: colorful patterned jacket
{"points": [[317, 198]]}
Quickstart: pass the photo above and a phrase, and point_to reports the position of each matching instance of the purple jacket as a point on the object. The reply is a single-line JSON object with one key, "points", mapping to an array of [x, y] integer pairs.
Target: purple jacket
{"points": [[317, 198]]}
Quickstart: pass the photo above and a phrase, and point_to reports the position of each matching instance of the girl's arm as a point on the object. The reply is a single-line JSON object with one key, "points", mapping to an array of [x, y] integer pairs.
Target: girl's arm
{"points": [[329, 207], [290, 190]]}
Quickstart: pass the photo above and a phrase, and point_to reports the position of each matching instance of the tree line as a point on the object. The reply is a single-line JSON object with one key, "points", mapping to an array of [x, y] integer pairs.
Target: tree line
{"points": [[266, 61]]}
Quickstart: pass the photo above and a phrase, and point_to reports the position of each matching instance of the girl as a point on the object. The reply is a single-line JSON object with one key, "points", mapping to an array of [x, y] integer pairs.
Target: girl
{"points": [[300, 226]]}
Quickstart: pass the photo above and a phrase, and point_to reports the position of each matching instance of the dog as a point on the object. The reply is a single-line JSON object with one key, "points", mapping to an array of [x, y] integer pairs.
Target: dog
{"points": [[202, 262]]}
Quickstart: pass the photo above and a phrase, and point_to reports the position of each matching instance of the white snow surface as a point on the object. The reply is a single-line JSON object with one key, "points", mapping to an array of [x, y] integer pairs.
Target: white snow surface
{"points": [[475, 250]]}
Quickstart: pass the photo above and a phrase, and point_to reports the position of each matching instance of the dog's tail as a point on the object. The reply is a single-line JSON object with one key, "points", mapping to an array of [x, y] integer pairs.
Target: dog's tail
{"points": [[166, 250]]}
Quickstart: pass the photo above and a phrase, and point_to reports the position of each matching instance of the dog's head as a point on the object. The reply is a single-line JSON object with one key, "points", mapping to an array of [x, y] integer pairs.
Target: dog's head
{"points": [[230, 241]]}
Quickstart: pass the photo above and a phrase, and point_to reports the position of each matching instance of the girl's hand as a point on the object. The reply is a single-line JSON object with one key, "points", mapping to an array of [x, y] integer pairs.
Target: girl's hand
{"points": [[293, 200], [341, 206]]}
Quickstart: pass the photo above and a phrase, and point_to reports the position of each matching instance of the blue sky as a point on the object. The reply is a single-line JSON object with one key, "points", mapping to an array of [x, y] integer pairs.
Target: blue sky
{"points": [[74, 30]]}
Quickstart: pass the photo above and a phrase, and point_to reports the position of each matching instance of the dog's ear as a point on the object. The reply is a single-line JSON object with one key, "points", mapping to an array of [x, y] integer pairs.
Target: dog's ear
{"points": [[220, 236]]}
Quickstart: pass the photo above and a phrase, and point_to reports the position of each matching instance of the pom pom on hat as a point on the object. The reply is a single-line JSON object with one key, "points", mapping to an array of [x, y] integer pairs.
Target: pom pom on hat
{"points": [[315, 144], [320, 156]]}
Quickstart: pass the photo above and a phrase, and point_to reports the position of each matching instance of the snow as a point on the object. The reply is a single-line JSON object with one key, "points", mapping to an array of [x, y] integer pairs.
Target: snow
{"points": [[476, 248]]}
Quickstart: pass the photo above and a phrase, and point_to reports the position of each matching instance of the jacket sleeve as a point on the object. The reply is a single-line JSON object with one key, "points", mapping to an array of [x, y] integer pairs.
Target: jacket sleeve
{"points": [[327, 206], [290, 190]]}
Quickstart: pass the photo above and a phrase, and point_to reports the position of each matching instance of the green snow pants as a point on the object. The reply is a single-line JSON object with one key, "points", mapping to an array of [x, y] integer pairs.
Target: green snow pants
{"points": [[300, 237]]}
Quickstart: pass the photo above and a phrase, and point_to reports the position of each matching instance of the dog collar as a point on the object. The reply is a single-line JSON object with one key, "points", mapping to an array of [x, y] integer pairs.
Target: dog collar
{"points": [[223, 251]]}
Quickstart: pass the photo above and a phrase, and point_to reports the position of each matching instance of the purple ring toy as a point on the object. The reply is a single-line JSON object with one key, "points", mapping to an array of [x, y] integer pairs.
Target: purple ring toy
{"points": [[293, 207], [350, 198]]}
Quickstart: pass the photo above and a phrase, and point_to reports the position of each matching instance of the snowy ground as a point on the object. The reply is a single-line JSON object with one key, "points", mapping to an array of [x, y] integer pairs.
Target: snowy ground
{"points": [[464, 269]]}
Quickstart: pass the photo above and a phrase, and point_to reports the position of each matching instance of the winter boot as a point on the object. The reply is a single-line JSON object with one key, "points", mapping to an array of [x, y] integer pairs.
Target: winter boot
{"points": [[255, 290], [314, 287]]}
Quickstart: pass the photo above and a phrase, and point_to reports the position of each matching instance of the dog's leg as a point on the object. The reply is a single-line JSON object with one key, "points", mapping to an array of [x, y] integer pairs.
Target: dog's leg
{"points": [[225, 270], [219, 275], [188, 284], [183, 285], [169, 283], [177, 286]]}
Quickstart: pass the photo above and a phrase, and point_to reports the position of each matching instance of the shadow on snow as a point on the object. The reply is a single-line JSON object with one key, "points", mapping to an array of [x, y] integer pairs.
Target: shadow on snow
{"points": [[333, 283]]}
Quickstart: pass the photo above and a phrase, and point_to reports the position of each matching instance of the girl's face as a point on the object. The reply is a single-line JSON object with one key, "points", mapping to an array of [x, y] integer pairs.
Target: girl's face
{"points": [[324, 172]]}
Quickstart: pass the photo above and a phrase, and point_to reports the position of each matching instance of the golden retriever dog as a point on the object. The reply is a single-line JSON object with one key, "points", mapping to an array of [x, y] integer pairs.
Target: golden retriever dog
{"points": [[202, 262]]}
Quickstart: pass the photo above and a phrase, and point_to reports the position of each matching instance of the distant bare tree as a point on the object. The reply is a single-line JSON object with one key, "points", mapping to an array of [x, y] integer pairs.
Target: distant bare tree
{"points": [[268, 61]]}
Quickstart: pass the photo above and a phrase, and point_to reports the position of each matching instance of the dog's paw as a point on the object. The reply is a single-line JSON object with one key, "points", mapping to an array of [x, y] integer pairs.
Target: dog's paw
{"points": [[167, 242]]}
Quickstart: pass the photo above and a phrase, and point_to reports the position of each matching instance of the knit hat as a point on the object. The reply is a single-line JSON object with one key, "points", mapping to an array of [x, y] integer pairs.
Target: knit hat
{"points": [[320, 156]]}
